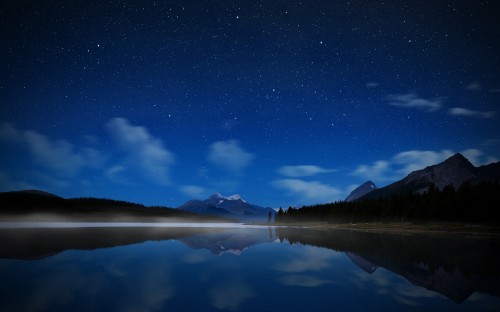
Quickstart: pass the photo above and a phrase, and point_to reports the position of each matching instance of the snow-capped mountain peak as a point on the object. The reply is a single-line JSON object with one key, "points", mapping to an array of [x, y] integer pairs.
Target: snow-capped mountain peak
{"points": [[235, 197], [232, 206], [221, 198], [217, 195]]}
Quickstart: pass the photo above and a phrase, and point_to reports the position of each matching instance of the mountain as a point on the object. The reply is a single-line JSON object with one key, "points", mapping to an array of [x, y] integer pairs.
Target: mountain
{"points": [[232, 207], [27, 199], [453, 171], [361, 190], [34, 205], [35, 192]]}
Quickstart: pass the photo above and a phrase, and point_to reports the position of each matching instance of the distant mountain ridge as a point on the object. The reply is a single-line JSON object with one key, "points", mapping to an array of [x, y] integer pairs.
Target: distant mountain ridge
{"points": [[454, 171], [361, 190], [232, 207]]}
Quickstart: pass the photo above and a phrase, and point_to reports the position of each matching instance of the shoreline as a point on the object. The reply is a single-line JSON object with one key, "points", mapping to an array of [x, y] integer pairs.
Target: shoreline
{"points": [[383, 227], [413, 228]]}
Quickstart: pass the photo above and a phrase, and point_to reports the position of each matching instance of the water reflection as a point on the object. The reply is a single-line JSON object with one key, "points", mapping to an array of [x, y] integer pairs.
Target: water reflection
{"points": [[453, 265], [37, 243], [233, 242], [242, 269], [229, 295]]}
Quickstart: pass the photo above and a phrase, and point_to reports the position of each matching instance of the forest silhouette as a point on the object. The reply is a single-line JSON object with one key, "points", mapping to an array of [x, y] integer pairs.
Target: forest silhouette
{"points": [[468, 203]]}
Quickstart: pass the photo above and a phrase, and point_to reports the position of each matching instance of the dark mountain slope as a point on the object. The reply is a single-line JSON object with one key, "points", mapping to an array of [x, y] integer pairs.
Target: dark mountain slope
{"points": [[453, 171]]}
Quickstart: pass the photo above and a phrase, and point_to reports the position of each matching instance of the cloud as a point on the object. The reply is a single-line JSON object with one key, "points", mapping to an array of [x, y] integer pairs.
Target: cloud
{"points": [[377, 171], [114, 170], [411, 100], [229, 155], [309, 259], [474, 86], [385, 284], [371, 85], [145, 150], [302, 281], [460, 111], [302, 171], [194, 191], [58, 155], [118, 174], [412, 160], [400, 165], [309, 190]]}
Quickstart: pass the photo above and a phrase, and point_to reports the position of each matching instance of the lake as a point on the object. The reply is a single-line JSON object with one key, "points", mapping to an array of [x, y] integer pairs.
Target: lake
{"points": [[128, 267]]}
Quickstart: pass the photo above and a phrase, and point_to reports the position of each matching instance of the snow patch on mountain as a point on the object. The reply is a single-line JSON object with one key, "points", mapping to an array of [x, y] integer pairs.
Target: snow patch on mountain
{"points": [[233, 206], [235, 197]]}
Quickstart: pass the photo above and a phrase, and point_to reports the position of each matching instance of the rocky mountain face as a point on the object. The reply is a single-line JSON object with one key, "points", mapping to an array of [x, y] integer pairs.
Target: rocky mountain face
{"points": [[232, 207], [361, 190], [453, 171]]}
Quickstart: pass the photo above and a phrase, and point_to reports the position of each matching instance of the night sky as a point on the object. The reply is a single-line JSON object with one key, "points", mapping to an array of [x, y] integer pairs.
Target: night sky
{"points": [[284, 102]]}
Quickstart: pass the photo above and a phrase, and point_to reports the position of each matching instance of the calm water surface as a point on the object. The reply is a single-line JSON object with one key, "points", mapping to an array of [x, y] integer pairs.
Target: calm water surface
{"points": [[244, 269]]}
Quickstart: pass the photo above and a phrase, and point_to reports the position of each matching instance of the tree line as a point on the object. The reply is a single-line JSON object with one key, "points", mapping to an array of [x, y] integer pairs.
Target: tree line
{"points": [[24, 204], [469, 203]]}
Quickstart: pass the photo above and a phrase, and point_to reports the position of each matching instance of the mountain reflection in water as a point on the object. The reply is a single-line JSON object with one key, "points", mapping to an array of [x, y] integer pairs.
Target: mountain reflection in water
{"points": [[455, 266]]}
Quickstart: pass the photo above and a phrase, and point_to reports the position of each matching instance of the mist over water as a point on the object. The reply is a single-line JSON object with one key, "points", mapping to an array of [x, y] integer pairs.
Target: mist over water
{"points": [[57, 224]]}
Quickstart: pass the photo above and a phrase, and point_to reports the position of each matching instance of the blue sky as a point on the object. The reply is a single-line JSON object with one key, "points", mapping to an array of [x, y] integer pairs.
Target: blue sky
{"points": [[283, 102]]}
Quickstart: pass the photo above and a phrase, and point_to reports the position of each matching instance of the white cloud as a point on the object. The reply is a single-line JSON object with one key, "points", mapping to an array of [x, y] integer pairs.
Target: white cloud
{"points": [[59, 155], [474, 86], [460, 111], [194, 191], [118, 174], [309, 259], [302, 280], [114, 170], [309, 190], [400, 165], [302, 171], [229, 155], [411, 100], [409, 161], [370, 85], [145, 150], [378, 171]]}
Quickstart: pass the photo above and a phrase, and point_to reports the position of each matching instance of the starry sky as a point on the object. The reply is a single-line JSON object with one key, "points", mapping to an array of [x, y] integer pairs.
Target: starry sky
{"points": [[284, 102]]}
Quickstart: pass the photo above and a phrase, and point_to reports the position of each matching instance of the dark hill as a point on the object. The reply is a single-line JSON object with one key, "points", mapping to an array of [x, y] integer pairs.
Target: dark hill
{"points": [[42, 206]]}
